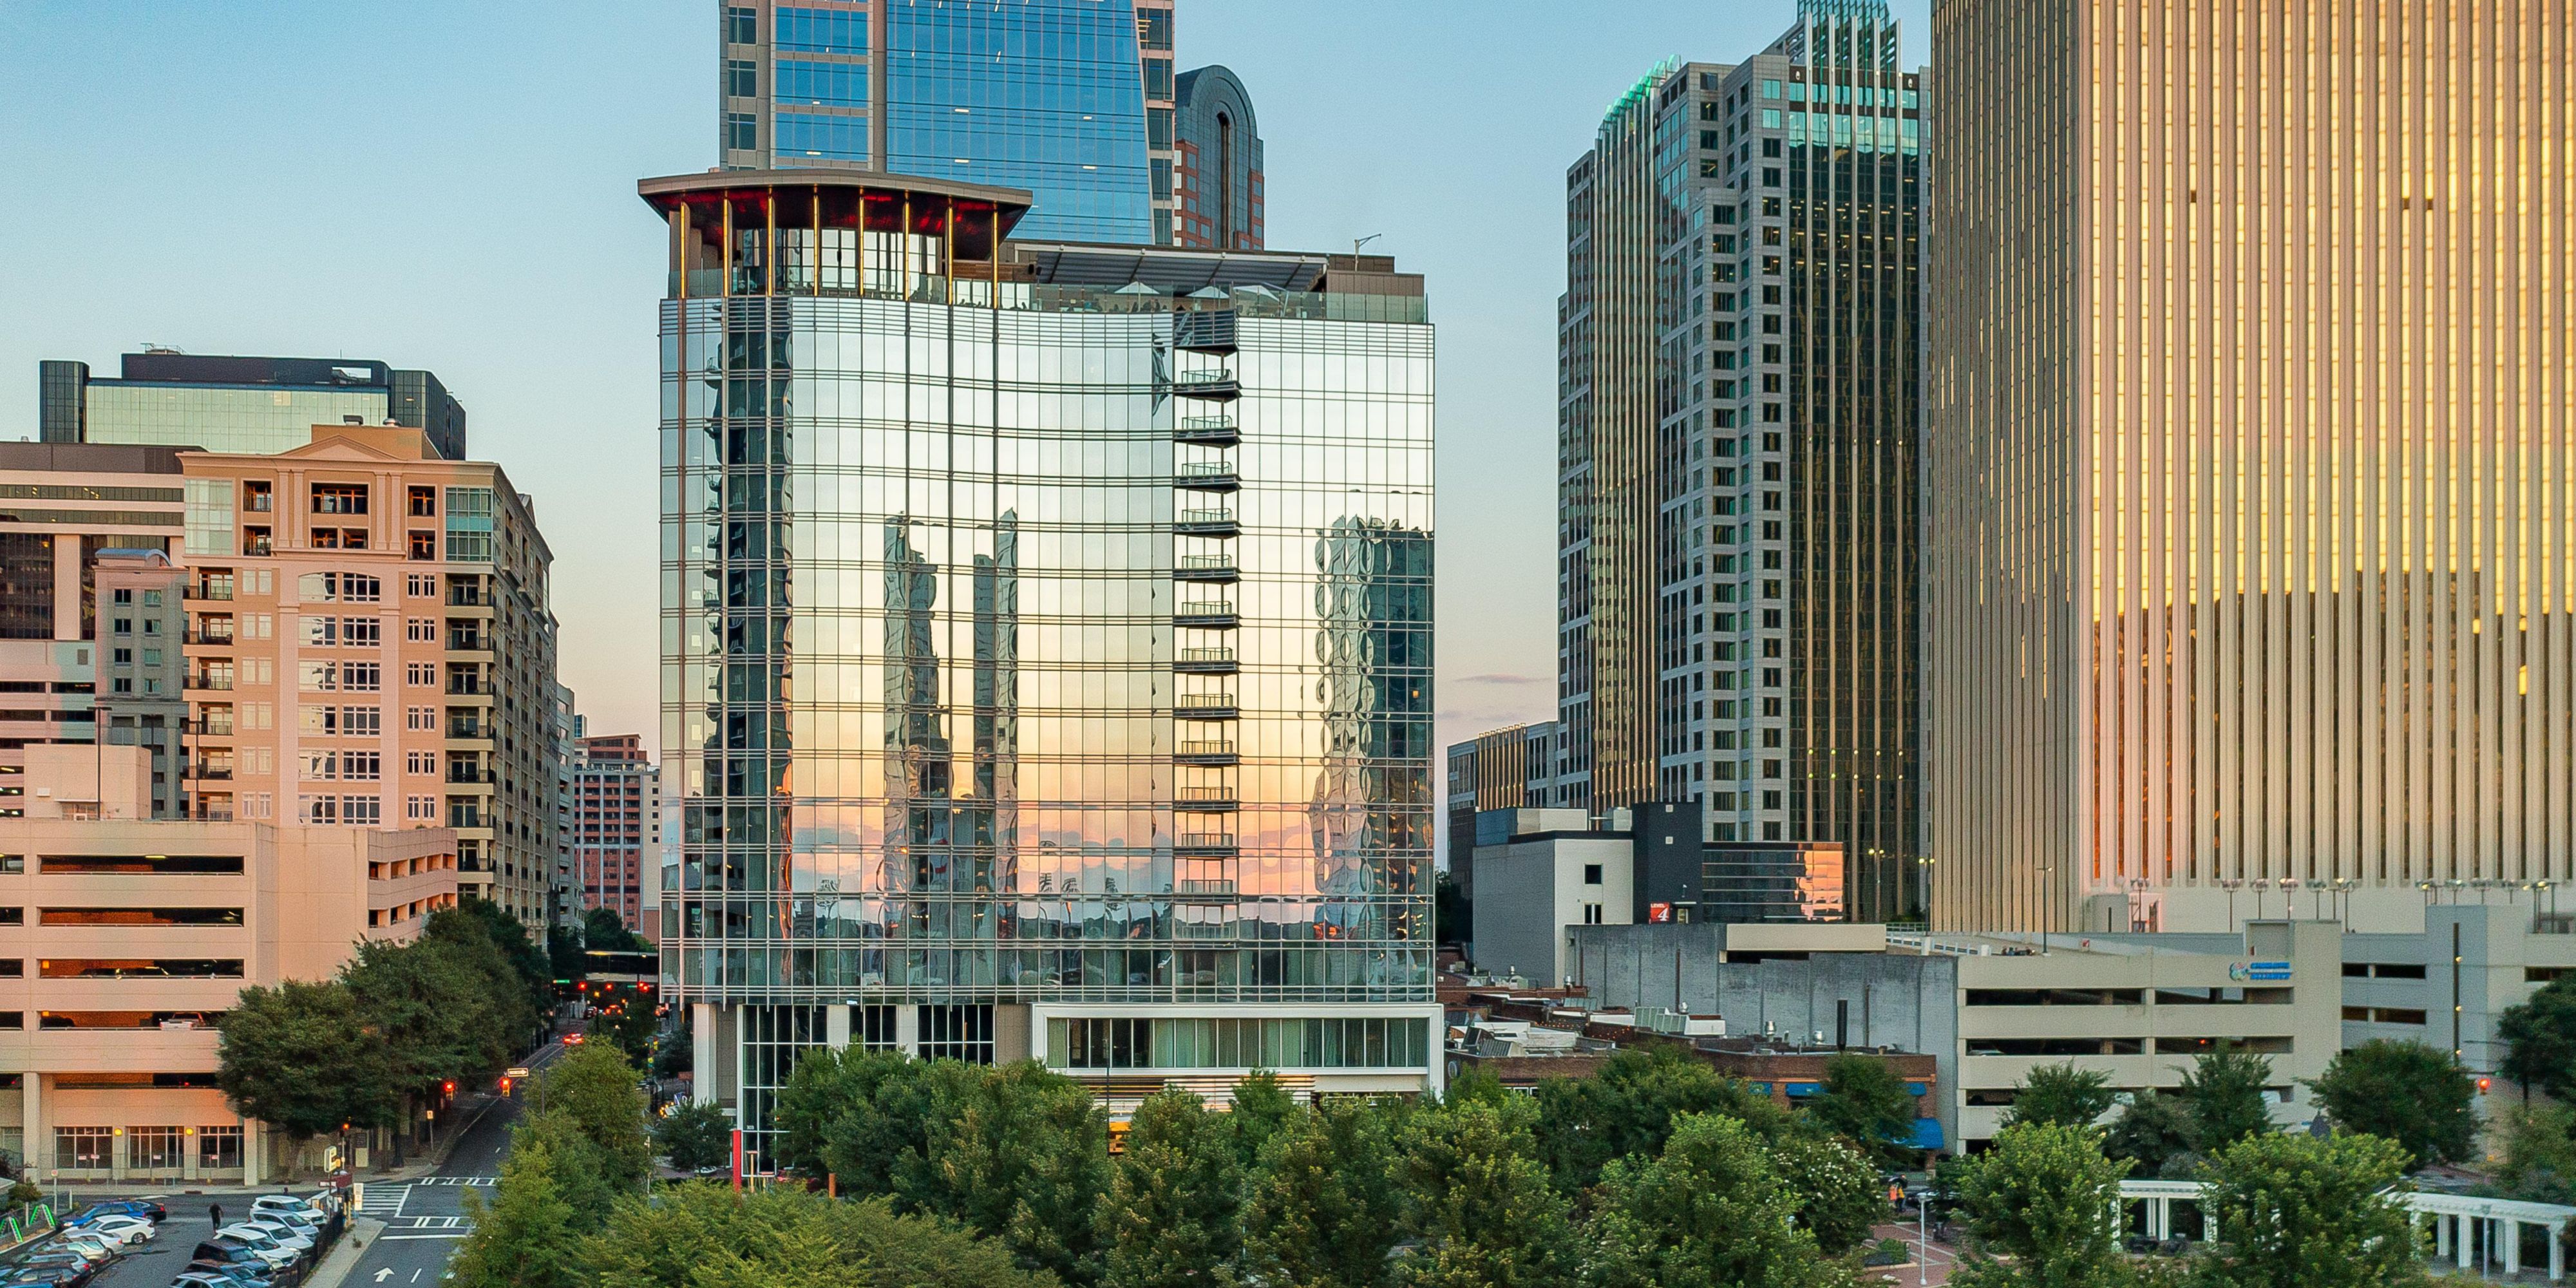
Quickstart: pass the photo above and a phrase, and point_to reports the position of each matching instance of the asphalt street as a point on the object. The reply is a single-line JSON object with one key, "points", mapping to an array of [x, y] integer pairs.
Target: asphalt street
{"points": [[423, 1217]]}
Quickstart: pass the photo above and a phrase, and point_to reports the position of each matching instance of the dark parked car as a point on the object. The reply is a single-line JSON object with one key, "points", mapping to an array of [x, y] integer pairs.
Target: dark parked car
{"points": [[144, 1208], [26, 1275]]}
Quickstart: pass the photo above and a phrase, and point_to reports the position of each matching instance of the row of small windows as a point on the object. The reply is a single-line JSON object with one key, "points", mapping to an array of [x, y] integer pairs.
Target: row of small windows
{"points": [[1212, 1043]]}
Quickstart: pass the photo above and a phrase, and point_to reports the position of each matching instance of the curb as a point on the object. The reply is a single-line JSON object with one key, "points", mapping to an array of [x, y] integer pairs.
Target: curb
{"points": [[344, 1255]]}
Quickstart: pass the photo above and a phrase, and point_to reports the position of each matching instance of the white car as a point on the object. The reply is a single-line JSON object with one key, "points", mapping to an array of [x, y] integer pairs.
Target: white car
{"points": [[287, 1234], [311, 1209], [126, 1230], [261, 1244], [93, 1247]]}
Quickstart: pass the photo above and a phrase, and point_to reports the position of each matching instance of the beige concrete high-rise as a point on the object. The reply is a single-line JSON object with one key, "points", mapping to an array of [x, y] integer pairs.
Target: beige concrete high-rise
{"points": [[2248, 504]]}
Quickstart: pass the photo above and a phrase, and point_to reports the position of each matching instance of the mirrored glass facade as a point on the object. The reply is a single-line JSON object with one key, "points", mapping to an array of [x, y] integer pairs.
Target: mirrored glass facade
{"points": [[1040, 643], [1072, 100]]}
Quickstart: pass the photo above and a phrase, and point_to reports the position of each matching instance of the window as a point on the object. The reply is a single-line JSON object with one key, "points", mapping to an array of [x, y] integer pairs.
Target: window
{"points": [[219, 1148], [800, 135], [366, 811], [423, 502], [151, 865], [84, 1148], [1592, 914], [809, 84], [420, 809], [421, 630], [362, 766], [340, 587], [741, 132], [420, 674], [339, 498], [821, 31], [420, 762], [422, 546], [420, 719], [118, 968], [742, 78], [421, 585], [257, 499], [1591, 874], [362, 722], [318, 809], [742, 26], [209, 516], [957, 1033], [362, 677], [361, 632]]}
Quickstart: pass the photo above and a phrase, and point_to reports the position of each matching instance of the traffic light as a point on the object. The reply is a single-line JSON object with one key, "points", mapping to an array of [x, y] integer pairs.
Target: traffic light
{"points": [[505, 1086], [447, 1088], [2484, 1084]]}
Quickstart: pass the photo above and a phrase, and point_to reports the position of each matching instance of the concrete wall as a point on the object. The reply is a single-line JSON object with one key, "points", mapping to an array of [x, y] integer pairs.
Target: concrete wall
{"points": [[1529, 892]]}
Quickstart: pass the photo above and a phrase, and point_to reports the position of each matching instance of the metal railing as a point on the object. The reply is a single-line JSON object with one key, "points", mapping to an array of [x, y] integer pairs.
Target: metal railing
{"points": [[1205, 701], [1204, 376], [1207, 793], [1207, 655], [1206, 608], [1206, 840], [1208, 747]]}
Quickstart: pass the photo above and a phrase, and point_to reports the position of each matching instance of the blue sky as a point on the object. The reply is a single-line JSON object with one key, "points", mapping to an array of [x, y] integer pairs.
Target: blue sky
{"points": [[451, 186]]}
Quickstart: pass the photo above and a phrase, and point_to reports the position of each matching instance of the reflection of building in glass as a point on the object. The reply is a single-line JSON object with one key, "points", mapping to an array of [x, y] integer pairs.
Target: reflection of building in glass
{"points": [[1738, 410], [1074, 100], [257, 405], [1047, 673], [2253, 550]]}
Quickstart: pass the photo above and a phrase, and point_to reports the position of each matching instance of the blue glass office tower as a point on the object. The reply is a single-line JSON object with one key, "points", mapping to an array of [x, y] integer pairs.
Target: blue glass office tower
{"points": [[1046, 645], [1069, 100]]}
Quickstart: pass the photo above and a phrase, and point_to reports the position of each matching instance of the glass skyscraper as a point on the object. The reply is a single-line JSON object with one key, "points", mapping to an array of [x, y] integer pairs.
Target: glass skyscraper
{"points": [[1737, 433], [1076, 101], [228, 404], [1046, 645]]}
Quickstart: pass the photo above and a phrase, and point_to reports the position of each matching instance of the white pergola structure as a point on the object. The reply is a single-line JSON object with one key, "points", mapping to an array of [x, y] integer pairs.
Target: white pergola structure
{"points": [[2461, 1223]]}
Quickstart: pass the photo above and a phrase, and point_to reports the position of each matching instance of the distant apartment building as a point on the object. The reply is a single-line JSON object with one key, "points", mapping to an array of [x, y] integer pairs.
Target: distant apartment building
{"points": [[370, 645], [1508, 768], [229, 404], [91, 623], [124, 938], [615, 824], [1737, 449]]}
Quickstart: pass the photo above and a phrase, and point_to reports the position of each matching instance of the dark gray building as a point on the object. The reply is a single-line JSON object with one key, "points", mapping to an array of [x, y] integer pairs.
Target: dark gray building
{"points": [[1737, 434], [1218, 172], [236, 404]]}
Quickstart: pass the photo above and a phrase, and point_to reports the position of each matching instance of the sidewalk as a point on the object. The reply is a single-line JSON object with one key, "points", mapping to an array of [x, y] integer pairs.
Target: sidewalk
{"points": [[344, 1255], [423, 1163]]}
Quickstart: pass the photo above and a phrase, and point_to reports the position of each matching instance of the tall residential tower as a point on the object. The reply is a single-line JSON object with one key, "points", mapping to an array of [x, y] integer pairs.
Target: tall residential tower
{"points": [[1076, 101], [2249, 495], [1737, 417], [1046, 645]]}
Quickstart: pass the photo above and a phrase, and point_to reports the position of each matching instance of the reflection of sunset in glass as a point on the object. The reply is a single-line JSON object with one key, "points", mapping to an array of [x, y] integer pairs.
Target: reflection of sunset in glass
{"points": [[1075, 650]]}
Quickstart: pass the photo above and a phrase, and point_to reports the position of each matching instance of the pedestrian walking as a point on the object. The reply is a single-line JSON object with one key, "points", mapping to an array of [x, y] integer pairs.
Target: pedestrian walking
{"points": [[215, 1213]]}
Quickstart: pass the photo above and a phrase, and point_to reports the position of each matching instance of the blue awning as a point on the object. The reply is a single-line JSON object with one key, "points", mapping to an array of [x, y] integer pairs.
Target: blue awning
{"points": [[1927, 1134], [1803, 1088]]}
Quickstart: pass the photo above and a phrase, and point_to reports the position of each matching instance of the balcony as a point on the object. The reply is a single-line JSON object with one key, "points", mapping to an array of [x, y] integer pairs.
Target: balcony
{"points": [[1207, 614], [1207, 523], [469, 728], [1224, 888], [1209, 845], [1207, 431], [1217, 569], [475, 596], [1208, 800], [205, 592], [212, 683], [1207, 476], [219, 639], [1205, 706], [209, 773], [468, 686], [1207, 752], [469, 641], [1214, 385], [468, 774], [207, 728], [1204, 331], [1206, 661]]}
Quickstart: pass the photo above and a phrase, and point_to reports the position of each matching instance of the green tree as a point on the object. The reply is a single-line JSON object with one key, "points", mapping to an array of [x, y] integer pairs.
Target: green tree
{"points": [[2155, 1134], [880, 1143], [1484, 1209], [827, 1084], [435, 1007], [603, 931], [595, 1086], [565, 960], [1865, 1102], [1017, 1152], [1628, 1107], [522, 971], [2040, 1205], [526, 1236], [302, 1058], [2295, 1211], [1324, 1209], [1261, 1107], [1171, 1218], [580, 1171], [2224, 1088], [1837, 1189], [695, 1136], [2539, 1147], [1711, 1209], [2408, 1092], [2540, 1037], [2064, 1095], [699, 1235]]}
